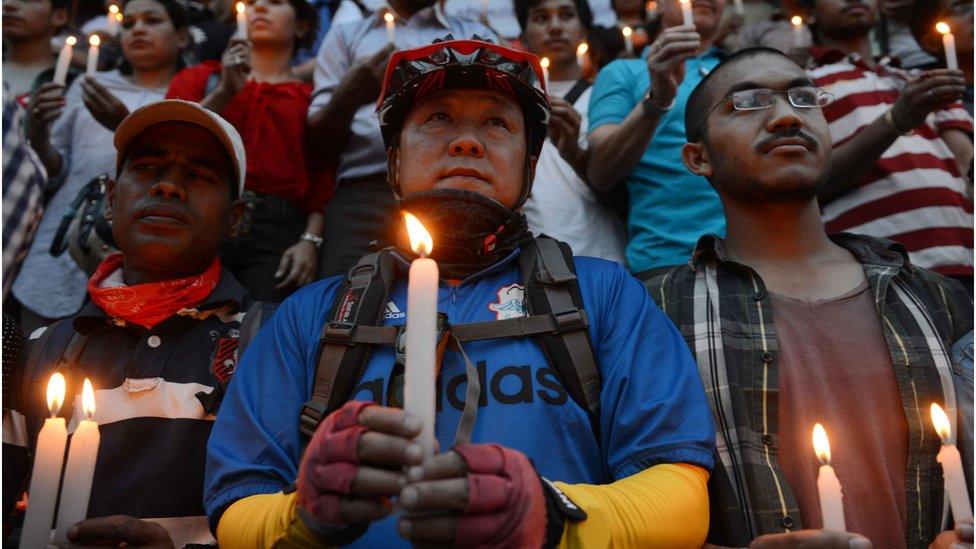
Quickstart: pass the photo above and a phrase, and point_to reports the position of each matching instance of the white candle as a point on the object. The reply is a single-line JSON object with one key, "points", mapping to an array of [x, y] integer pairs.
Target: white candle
{"points": [[484, 7], [420, 373], [687, 17], [581, 53], [955, 480], [241, 21], [112, 20], [80, 469], [46, 475], [828, 485], [93, 42], [949, 44], [628, 40], [390, 27], [739, 8], [544, 63], [64, 60], [797, 22]]}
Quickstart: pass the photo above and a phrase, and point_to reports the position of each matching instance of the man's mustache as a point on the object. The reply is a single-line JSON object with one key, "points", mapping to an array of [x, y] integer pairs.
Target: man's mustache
{"points": [[787, 134]]}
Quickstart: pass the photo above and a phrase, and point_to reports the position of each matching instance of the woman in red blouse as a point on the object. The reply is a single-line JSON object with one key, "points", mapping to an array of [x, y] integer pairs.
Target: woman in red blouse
{"points": [[254, 88]]}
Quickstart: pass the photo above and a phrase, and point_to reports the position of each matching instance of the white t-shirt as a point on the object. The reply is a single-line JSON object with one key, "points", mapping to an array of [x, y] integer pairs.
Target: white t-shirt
{"points": [[563, 206]]}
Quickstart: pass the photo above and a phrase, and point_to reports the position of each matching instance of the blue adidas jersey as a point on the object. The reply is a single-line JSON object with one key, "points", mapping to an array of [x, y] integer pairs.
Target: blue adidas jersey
{"points": [[653, 405]]}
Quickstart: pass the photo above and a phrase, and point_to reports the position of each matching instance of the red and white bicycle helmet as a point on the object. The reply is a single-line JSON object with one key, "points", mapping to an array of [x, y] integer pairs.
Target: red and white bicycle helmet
{"points": [[473, 63]]}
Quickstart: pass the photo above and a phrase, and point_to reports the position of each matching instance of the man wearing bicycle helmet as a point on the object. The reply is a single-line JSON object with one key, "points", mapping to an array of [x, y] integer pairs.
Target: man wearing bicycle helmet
{"points": [[603, 400]]}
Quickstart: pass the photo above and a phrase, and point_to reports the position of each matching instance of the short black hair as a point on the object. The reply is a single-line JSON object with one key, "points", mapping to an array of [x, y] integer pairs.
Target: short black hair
{"points": [[304, 11], [522, 8], [59, 4], [699, 104]]}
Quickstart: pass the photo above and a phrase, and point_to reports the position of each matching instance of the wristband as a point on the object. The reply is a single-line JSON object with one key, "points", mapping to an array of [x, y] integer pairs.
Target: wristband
{"points": [[309, 237], [559, 509], [652, 108], [891, 120]]}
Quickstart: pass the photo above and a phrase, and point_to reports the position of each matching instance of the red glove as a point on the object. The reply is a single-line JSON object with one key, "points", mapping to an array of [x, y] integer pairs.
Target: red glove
{"points": [[328, 469], [506, 504]]}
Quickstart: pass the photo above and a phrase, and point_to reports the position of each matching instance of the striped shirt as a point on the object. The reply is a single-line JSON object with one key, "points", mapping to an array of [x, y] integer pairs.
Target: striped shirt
{"points": [[154, 418], [724, 312], [914, 194]]}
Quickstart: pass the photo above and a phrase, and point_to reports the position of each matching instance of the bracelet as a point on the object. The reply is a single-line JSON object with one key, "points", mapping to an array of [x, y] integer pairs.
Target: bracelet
{"points": [[891, 120], [309, 237], [654, 109]]}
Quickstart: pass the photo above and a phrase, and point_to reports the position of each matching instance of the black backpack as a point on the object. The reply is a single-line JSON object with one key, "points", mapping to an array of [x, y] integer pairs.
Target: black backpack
{"points": [[555, 317]]}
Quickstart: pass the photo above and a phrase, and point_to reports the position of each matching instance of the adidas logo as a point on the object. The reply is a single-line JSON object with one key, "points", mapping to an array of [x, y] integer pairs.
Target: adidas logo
{"points": [[393, 312]]}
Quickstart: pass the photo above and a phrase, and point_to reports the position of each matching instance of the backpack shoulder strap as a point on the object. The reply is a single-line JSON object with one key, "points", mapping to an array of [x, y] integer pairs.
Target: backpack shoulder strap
{"points": [[254, 318], [341, 358], [576, 91], [551, 288]]}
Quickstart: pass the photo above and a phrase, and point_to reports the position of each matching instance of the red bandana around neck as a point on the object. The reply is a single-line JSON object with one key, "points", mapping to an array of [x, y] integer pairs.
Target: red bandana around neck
{"points": [[149, 304]]}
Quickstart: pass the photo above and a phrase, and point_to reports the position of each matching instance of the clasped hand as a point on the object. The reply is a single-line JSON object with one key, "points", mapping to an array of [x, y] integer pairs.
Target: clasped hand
{"points": [[362, 455]]}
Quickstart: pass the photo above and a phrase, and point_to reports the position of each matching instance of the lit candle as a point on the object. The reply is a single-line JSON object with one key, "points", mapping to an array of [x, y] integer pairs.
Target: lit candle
{"points": [[949, 44], [686, 15], [797, 22], [80, 468], [739, 8], [544, 63], [955, 481], [93, 42], [390, 27], [46, 475], [420, 374], [64, 59], [112, 20], [484, 7], [581, 53], [828, 485], [241, 21], [628, 41]]}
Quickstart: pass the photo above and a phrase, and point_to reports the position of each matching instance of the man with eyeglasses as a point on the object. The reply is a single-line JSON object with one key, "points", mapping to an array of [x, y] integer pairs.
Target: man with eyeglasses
{"points": [[792, 327]]}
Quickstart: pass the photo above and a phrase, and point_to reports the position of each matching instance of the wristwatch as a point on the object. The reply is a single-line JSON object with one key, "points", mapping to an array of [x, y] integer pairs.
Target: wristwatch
{"points": [[309, 237], [652, 108]]}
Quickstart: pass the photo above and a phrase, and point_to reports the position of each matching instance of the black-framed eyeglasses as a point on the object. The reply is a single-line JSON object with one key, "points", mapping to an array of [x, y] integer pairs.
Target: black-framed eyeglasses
{"points": [[801, 97]]}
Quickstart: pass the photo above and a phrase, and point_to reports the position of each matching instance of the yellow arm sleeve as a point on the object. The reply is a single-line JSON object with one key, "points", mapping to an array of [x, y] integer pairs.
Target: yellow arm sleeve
{"points": [[264, 520], [663, 506]]}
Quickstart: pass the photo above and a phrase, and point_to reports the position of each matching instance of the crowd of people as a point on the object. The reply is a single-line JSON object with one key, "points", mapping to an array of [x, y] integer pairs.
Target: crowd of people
{"points": [[663, 258]]}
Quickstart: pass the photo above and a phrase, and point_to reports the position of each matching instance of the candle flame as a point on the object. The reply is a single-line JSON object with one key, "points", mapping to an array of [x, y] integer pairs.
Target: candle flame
{"points": [[582, 48], [821, 444], [651, 6], [388, 17], [941, 422], [94, 40], [684, 2], [796, 20], [240, 7], [420, 241], [627, 31], [88, 399], [71, 41], [544, 62], [118, 17], [55, 393], [942, 27], [113, 9]]}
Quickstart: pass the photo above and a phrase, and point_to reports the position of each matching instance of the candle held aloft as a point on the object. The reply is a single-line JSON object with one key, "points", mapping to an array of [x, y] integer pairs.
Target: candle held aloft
{"points": [[80, 469], [686, 16], [112, 20], [93, 42], [949, 44], [581, 53], [739, 8], [390, 27], [46, 474], [828, 485], [64, 61], [241, 21], [797, 22], [420, 370], [951, 461], [628, 39], [544, 63]]}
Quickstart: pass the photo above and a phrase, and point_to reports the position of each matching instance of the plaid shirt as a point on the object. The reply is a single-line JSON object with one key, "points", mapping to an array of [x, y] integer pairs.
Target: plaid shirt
{"points": [[723, 311], [24, 178]]}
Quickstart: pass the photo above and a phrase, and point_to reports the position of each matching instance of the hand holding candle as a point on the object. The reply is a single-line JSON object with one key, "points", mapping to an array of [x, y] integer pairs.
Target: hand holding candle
{"points": [[64, 60], [828, 485], [93, 42], [80, 469], [949, 457], [46, 475], [949, 44], [420, 371]]}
